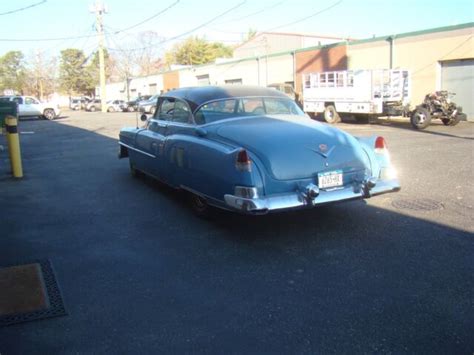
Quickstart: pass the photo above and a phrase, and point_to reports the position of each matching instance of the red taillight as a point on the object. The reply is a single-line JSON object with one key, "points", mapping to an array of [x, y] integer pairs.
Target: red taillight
{"points": [[243, 157], [381, 146], [243, 161], [380, 143]]}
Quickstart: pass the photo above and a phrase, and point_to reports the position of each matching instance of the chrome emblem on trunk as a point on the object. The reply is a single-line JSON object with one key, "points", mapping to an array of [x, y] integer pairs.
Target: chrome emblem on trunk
{"points": [[323, 150]]}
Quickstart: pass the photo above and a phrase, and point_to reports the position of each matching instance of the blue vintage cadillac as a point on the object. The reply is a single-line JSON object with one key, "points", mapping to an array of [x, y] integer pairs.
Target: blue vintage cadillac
{"points": [[252, 150]]}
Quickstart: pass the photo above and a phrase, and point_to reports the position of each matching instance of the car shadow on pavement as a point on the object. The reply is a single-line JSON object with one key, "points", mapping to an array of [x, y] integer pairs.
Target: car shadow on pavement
{"points": [[139, 272]]}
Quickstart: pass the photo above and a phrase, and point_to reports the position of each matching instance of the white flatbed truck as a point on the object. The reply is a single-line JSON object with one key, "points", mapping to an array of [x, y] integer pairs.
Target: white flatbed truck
{"points": [[362, 93]]}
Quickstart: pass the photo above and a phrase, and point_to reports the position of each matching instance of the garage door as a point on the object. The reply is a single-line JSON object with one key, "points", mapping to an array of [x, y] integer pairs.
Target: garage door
{"points": [[458, 76]]}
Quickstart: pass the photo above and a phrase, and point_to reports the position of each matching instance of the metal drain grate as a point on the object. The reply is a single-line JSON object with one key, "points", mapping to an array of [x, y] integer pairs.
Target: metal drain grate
{"points": [[56, 306], [420, 204]]}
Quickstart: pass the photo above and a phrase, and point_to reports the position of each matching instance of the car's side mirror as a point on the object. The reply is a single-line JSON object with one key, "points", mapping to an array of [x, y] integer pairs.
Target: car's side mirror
{"points": [[143, 117]]}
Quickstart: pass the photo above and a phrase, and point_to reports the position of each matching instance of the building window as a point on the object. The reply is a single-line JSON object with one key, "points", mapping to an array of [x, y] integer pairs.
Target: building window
{"points": [[331, 80], [233, 82], [340, 80], [307, 81], [203, 80]]}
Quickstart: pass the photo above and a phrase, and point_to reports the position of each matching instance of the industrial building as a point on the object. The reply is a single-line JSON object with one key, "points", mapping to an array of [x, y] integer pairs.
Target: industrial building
{"points": [[438, 59]]}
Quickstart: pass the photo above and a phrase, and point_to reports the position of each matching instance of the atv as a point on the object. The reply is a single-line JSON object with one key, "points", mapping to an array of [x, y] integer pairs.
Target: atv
{"points": [[437, 105]]}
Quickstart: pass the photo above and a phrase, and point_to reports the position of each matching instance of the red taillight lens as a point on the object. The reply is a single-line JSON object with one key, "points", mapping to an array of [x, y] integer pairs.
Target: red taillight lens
{"points": [[243, 157], [380, 143], [243, 161]]}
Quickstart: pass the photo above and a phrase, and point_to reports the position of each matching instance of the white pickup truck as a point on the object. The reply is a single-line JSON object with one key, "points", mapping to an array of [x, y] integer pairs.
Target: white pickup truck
{"points": [[29, 106], [359, 92]]}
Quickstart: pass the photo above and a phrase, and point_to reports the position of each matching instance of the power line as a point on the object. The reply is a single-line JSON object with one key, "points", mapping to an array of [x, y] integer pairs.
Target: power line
{"points": [[187, 32], [44, 39], [86, 36], [22, 8], [149, 18], [253, 13], [306, 17], [74, 42]]}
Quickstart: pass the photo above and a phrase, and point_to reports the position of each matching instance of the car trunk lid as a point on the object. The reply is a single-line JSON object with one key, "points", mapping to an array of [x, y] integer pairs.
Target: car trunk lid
{"points": [[295, 147]]}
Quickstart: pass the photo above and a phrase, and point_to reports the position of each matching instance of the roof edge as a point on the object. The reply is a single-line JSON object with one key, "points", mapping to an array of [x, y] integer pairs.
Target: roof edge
{"points": [[413, 33]]}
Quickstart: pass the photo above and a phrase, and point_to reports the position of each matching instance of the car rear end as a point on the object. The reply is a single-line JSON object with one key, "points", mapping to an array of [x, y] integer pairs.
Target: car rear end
{"points": [[302, 166]]}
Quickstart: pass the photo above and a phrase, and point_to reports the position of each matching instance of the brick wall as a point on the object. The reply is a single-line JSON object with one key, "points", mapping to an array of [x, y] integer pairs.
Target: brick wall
{"points": [[319, 60]]}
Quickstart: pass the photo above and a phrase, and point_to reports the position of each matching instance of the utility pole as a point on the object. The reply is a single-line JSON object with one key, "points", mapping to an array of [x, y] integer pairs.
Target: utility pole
{"points": [[99, 10]]}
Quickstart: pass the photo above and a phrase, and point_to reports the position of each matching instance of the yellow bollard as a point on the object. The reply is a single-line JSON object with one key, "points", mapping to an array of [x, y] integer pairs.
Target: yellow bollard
{"points": [[13, 139]]}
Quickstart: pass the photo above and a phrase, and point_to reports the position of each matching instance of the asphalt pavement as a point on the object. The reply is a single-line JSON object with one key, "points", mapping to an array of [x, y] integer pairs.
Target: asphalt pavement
{"points": [[140, 273]]}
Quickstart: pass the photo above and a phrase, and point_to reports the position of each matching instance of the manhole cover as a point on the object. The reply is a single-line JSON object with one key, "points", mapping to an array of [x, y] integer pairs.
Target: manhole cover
{"points": [[421, 204]]}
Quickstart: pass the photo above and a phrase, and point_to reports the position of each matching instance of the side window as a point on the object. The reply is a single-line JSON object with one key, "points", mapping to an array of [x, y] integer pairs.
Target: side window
{"points": [[30, 101], [166, 109], [181, 112], [275, 107], [254, 106], [18, 100]]}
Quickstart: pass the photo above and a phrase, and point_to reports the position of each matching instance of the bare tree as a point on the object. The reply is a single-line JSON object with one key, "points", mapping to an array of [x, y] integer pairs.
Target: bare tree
{"points": [[42, 73], [139, 57], [148, 58]]}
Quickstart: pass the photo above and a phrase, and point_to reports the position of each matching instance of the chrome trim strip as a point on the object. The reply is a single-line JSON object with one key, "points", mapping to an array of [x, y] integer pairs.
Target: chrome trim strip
{"points": [[137, 150], [301, 200]]}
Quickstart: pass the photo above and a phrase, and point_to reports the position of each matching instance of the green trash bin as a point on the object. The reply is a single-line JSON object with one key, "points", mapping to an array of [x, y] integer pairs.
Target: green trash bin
{"points": [[7, 108]]}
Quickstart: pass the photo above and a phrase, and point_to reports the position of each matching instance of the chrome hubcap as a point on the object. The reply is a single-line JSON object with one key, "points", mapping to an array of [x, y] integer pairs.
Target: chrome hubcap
{"points": [[420, 117]]}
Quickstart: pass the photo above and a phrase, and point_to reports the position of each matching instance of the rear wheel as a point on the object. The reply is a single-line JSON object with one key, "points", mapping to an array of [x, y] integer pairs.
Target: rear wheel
{"points": [[200, 206], [454, 121], [130, 109], [92, 109], [331, 115], [49, 114], [420, 118], [110, 109]]}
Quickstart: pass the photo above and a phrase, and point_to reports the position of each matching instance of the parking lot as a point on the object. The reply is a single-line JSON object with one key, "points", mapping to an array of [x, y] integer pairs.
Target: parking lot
{"points": [[140, 273]]}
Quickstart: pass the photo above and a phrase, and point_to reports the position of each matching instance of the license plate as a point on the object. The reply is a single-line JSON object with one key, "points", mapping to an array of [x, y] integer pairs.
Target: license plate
{"points": [[330, 179]]}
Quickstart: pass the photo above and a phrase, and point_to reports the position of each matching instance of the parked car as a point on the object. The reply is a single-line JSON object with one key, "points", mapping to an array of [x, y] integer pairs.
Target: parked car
{"points": [[253, 150], [94, 105], [148, 106], [29, 106], [75, 104], [133, 104], [116, 106]]}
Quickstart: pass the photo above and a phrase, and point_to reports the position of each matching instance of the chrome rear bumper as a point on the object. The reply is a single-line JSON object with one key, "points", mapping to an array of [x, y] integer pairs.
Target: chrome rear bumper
{"points": [[294, 200]]}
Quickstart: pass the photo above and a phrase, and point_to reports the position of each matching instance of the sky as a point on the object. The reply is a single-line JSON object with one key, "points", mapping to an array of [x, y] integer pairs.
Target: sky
{"points": [[224, 21]]}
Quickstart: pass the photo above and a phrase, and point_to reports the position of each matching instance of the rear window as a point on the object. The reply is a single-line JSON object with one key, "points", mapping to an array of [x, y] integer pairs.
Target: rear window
{"points": [[238, 107]]}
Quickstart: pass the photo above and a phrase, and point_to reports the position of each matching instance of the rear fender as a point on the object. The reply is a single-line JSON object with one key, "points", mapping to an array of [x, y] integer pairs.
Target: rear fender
{"points": [[210, 167], [377, 161]]}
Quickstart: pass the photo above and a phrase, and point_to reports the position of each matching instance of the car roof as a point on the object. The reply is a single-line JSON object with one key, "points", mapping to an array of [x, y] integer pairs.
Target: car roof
{"points": [[196, 96]]}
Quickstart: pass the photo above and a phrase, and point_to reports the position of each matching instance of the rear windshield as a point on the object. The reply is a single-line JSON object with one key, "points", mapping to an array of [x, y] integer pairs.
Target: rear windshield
{"points": [[238, 107]]}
